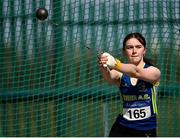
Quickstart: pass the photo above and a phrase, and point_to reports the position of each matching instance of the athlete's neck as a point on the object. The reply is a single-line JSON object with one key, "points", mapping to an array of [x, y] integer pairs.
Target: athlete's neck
{"points": [[140, 64]]}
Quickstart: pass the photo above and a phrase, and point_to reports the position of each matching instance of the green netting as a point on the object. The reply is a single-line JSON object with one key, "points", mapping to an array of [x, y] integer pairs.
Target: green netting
{"points": [[50, 83]]}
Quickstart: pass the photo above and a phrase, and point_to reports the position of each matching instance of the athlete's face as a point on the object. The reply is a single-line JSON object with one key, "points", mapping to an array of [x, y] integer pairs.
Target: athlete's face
{"points": [[134, 51]]}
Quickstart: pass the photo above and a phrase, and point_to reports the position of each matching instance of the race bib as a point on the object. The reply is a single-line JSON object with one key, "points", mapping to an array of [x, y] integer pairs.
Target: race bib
{"points": [[137, 113]]}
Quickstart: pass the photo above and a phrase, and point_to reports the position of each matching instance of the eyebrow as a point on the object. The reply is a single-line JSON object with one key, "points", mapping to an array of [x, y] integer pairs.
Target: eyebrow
{"points": [[134, 45]]}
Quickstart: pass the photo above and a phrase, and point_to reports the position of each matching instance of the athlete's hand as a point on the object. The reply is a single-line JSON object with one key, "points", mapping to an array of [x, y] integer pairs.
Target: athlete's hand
{"points": [[108, 60]]}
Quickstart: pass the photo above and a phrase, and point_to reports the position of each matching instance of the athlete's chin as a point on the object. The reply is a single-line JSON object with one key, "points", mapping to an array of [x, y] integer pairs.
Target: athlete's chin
{"points": [[134, 61]]}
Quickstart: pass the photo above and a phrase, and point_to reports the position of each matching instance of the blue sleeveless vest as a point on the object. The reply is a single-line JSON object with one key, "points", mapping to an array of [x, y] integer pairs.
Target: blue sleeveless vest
{"points": [[139, 104]]}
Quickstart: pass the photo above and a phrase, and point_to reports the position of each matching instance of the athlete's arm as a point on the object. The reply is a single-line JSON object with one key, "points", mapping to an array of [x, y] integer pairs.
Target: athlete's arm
{"points": [[110, 75], [150, 74]]}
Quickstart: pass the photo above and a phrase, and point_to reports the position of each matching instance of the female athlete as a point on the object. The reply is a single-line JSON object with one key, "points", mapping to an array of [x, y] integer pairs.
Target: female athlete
{"points": [[137, 81]]}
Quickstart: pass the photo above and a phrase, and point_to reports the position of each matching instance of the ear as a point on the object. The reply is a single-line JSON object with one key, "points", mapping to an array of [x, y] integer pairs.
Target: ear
{"points": [[144, 53]]}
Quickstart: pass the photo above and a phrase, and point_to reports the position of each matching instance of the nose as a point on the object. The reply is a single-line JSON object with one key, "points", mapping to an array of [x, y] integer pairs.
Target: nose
{"points": [[134, 50]]}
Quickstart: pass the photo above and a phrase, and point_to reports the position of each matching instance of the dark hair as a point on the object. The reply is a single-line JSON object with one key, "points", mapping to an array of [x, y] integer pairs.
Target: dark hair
{"points": [[138, 36], [141, 39]]}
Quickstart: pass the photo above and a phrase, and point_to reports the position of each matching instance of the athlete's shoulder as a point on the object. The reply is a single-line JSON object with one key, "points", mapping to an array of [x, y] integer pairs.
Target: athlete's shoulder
{"points": [[154, 72], [149, 66]]}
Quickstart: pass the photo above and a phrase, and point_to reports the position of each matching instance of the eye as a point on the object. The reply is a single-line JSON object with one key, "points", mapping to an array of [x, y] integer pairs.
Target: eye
{"points": [[129, 47], [139, 46]]}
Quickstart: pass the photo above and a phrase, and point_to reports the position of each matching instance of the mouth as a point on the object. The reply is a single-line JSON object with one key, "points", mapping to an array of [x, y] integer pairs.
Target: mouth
{"points": [[134, 56]]}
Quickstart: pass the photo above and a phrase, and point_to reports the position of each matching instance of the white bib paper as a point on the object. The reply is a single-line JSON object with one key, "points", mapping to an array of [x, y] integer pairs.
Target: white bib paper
{"points": [[137, 113]]}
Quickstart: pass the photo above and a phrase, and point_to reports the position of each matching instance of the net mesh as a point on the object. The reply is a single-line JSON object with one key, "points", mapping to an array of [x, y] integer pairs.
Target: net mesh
{"points": [[50, 83]]}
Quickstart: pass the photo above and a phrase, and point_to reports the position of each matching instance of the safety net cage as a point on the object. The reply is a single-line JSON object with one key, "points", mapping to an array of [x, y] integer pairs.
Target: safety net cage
{"points": [[50, 81]]}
